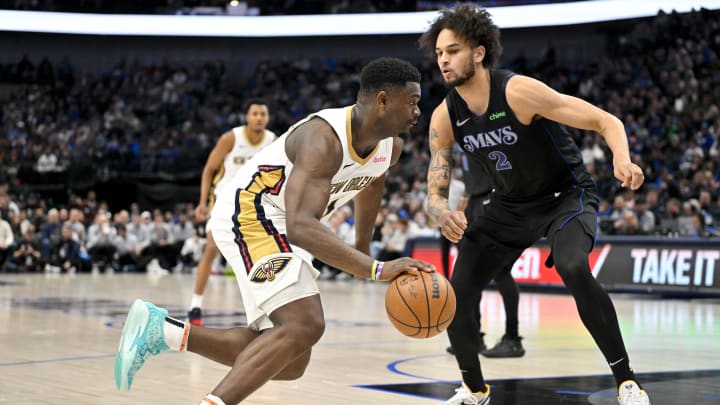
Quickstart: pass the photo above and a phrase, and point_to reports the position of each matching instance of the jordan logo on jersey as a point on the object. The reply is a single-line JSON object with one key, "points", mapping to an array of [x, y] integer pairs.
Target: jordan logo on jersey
{"points": [[267, 271], [489, 139]]}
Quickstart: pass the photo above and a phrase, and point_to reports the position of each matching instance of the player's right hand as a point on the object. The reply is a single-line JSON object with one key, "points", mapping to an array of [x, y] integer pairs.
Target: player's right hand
{"points": [[452, 225], [394, 268], [200, 213]]}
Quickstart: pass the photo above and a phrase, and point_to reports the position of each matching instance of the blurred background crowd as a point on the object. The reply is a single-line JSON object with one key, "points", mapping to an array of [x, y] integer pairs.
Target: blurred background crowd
{"points": [[71, 128]]}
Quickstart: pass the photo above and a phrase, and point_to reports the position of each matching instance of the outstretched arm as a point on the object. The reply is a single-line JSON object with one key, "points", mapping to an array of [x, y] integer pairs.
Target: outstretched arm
{"points": [[317, 154], [530, 98], [452, 223]]}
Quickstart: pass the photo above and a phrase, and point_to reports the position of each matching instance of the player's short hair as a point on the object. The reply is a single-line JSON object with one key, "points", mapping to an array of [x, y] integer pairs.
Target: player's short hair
{"points": [[471, 23], [254, 101], [387, 72]]}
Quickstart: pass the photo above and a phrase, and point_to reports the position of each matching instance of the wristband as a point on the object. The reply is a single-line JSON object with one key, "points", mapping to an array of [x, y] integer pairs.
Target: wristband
{"points": [[379, 270], [376, 270]]}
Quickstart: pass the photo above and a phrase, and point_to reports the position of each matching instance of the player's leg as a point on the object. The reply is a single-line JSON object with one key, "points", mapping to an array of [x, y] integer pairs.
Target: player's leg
{"points": [[297, 327], [468, 281], [149, 331], [481, 339], [510, 345], [570, 248], [204, 268], [474, 209], [445, 256]]}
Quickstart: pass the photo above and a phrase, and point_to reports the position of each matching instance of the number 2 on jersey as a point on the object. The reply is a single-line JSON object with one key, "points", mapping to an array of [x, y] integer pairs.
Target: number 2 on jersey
{"points": [[502, 161]]}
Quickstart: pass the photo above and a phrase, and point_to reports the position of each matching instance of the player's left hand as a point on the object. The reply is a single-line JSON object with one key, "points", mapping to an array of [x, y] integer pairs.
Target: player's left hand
{"points": [[630, 174]]}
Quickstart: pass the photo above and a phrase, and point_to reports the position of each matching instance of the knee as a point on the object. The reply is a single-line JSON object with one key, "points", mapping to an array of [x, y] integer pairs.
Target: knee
{"points": [[571, 266], [315, 328], [308, 330], [465, 294]]}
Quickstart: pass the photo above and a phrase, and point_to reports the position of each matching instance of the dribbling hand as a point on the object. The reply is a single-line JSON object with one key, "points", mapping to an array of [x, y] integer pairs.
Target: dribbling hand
{"points": [[394, 268]]}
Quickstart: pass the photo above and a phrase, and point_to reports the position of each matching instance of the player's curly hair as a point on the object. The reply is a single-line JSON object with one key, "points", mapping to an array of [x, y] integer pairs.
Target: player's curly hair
{"points": [[471, 23], [384, 72]]}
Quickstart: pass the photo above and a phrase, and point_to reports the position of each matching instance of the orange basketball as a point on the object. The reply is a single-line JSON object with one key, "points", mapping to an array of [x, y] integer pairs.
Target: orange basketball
{"points": [[420, 306]]}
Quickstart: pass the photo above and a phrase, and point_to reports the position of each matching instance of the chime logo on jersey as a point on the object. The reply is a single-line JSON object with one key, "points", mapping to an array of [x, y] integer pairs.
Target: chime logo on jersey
{"points": [[267, 271], [496, 115], [489, 139]]}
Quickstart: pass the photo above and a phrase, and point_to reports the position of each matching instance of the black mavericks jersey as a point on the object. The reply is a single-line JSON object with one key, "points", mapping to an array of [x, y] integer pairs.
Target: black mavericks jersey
{"points": [[524, 161]]}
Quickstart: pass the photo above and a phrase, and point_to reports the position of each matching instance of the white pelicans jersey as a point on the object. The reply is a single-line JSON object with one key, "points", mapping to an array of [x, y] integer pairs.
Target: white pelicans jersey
{"points": [[252, 205], [243, 149]]}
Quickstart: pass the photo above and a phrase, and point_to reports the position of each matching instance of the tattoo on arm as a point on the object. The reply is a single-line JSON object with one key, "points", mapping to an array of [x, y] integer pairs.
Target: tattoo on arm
{"points": [[438, 176]]}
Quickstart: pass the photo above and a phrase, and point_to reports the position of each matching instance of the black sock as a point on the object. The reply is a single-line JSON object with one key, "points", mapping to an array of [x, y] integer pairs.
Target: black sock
{"points": [[622, 371], [473, 379]]}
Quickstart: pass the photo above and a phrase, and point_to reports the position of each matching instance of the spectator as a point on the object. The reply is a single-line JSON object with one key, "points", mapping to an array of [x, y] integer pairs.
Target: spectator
{"points": [[192, 251], [698, 227], [181, 231], [138, 229], [100, 242], [161, 246], [394, 238], [66, 254], [26, 257], [76, 221], [49, 232], [6, 241], [127, 250], [628, 225], [645, 217], [669, 218], [47, 162]]}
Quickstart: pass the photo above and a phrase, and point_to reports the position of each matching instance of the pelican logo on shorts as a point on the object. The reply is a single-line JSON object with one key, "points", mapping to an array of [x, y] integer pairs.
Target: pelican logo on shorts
{"points": [[267, 271]]}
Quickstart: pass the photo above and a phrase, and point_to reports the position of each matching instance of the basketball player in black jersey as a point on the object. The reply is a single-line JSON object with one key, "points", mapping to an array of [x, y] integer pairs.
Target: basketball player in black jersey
{"points": [[511, 126]]}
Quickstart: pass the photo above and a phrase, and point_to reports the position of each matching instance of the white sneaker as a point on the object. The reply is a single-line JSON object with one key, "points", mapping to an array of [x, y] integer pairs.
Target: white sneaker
{"points": [[629, 393], [463, 396]]}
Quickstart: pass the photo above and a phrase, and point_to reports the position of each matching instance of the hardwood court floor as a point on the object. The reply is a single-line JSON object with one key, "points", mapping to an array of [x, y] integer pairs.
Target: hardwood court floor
{"points": [[59, 335]]}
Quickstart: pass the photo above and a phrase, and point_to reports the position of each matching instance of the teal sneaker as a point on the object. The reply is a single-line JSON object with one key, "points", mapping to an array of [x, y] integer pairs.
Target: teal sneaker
{"points": [[142, 335]]}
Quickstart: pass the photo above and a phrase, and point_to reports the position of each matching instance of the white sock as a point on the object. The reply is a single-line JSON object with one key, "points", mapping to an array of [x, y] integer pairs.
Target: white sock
{"points": [[211, 399], [196, 301], [176, 333]]}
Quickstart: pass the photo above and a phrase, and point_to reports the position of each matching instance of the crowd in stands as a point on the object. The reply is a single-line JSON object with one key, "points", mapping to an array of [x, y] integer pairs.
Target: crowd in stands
{"points": [[661, 79]]}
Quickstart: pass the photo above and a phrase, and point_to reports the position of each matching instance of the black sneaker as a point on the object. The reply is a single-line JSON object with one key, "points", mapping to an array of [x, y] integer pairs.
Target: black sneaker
{"points": [[195, 317], [481, 348], [506, 347]]}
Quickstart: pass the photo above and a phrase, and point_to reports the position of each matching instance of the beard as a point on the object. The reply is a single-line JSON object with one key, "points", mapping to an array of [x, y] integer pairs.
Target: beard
{"points": [[466, 75]]}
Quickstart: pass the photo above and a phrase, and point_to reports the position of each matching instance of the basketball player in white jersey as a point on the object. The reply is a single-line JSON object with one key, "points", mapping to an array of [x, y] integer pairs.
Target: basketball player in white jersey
{"points": [[231, 151], [267, 225]]}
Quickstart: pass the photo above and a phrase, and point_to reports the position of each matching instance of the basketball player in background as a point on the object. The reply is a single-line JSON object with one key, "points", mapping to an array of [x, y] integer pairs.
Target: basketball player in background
{"points": [[231, 151], [267, 224], [512, 127]]}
